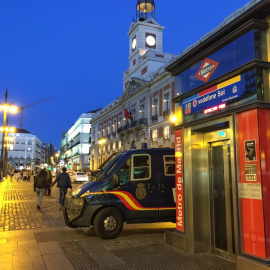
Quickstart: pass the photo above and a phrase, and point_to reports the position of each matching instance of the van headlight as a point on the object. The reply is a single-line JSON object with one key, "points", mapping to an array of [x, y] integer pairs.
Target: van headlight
{"points": [[77, 201]]}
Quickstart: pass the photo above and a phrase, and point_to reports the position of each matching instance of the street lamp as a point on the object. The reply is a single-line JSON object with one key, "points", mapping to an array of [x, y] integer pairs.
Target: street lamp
{"points": [[101, 142], [5, 130]]}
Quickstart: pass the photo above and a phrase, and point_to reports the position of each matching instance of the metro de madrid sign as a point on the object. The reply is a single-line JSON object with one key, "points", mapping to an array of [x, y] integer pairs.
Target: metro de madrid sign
{"points": [[206, 70]]}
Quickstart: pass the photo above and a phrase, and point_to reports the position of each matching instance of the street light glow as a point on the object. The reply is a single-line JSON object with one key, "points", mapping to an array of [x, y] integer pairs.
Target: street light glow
{"points": [[101, 141], [7, 129], [9, 108], [173, 118]]}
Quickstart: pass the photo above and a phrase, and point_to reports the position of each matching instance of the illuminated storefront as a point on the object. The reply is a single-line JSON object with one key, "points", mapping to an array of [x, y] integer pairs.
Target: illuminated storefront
{"points": [[222, 141]]}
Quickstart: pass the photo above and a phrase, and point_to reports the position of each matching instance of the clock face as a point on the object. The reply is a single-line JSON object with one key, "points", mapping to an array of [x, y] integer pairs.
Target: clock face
{"points": [[150, 40], [134, 42]]}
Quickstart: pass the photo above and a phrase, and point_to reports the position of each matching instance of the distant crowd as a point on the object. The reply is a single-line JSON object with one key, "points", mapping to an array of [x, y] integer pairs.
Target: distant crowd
{"points": [[43, 181]]}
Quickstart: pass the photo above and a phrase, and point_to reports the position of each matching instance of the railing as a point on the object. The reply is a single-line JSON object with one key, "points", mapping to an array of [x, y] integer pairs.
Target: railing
{"points": [[142, 121], [155, 117], [166, 113]]}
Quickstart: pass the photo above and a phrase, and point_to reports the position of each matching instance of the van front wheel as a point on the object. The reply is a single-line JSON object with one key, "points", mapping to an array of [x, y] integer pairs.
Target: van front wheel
{"points": [[108, 223]]}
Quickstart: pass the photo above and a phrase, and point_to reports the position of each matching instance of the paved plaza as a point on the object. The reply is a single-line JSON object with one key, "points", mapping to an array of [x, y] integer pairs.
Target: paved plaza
{"points": [[33, 239]]}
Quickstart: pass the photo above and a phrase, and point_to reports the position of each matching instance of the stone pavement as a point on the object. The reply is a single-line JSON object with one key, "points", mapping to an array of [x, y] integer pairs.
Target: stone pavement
{"points": [[32, 239]]}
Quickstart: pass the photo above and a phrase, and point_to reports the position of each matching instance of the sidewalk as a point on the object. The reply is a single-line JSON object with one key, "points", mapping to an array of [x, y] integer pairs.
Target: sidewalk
{"points": [[32, 239]]}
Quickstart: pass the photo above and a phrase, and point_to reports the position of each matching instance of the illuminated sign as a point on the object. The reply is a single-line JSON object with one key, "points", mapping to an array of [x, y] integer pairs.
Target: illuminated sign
{"points": [[179, 181], [206, 70], [215, 108], [209, 99]]}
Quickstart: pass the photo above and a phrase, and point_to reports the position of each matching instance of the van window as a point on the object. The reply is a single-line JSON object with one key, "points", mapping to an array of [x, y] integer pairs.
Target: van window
{"points": [[141, 167], [124, 173], [169, 165]]}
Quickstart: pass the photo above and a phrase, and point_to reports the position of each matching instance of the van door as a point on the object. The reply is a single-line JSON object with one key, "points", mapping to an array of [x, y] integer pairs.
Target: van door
{"points": [[139, 190], [165, 171]]}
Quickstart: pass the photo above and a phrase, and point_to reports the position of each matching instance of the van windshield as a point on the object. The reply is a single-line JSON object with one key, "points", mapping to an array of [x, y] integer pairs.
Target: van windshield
{"points": [[102, 172]]}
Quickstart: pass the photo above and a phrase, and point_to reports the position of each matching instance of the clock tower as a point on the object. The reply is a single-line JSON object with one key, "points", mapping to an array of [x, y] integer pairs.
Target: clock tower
{"points": [[145, 43]]}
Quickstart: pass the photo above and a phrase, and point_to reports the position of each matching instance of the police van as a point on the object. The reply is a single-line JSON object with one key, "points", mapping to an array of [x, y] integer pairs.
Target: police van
{"points": [[136, 186]]}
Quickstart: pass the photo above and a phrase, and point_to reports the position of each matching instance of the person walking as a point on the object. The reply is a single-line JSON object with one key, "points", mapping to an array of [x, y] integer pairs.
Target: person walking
{"points": [[63, 183], [40, 185], [49, 190]]}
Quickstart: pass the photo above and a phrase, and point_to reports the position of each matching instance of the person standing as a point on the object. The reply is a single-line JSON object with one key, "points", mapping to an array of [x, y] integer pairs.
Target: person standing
{"points": [[63, 183], [40, 185]]}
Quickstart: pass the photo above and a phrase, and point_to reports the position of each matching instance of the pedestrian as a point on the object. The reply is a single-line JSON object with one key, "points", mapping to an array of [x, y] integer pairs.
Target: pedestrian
{"points": [[40, 186], [48, 189], [34, 174], [16, 174], [29, 175], [24, 175], [63, 183]]}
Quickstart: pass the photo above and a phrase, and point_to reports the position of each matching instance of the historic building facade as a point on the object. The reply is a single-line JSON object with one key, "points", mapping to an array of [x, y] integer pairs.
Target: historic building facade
{"points": [[141, 116]]}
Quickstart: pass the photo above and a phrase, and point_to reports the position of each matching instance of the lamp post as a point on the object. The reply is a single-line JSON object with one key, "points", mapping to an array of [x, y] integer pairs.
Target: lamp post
{"points": [[101, 142], [5, 130]]}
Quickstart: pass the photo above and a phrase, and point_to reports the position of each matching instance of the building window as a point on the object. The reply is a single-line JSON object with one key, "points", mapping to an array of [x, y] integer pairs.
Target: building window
{"points": [[133, 114], [155, 109], [142, 111], [166, 132], [154, 135], [143, 71], [167, 102]]}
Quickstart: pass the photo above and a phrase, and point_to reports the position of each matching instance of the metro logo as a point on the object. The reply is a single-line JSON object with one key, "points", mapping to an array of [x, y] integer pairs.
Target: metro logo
{"points": [[206, 70]]}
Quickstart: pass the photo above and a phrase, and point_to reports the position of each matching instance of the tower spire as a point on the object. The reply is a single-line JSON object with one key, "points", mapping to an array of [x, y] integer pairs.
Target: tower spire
{"points": [[145, 9]]}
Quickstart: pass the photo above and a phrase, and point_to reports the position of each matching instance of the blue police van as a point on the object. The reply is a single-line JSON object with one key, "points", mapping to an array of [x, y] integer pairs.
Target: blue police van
{"points": [[136, 186]]}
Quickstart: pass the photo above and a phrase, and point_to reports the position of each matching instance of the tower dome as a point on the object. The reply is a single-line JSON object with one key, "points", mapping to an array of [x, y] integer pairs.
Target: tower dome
{"points": [[145, 9]]}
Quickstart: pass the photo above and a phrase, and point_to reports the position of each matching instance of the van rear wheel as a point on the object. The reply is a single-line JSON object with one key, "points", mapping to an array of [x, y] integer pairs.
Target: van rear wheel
{"points": [[108, 223]]}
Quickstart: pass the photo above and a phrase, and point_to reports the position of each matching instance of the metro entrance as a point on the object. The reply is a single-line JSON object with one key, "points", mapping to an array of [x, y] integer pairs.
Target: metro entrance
{"points": [[213, 188], [222, 231]]}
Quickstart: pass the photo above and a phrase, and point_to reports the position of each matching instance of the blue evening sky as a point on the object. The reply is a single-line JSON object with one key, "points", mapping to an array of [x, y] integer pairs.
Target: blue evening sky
{"points": [[77, 51]]}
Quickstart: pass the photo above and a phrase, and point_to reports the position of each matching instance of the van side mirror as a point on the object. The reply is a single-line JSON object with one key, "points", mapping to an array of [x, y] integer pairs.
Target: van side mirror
{"points": [[115, 180]]}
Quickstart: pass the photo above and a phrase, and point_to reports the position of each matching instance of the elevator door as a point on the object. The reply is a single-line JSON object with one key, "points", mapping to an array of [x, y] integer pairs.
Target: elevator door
{"points": [[221, 199]]}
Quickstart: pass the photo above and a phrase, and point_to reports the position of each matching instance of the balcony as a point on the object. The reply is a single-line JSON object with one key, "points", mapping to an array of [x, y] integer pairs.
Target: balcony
{"points": [[154, 117], [166, 137], [136, 123], [166, 113]]}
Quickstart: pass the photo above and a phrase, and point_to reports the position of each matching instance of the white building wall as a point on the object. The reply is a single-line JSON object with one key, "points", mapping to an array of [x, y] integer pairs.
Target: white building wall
{"points": [[78, 142]]}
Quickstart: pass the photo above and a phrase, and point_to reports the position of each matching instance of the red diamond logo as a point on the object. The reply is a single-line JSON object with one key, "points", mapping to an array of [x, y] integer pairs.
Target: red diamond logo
{"points": [[206, 69]]}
